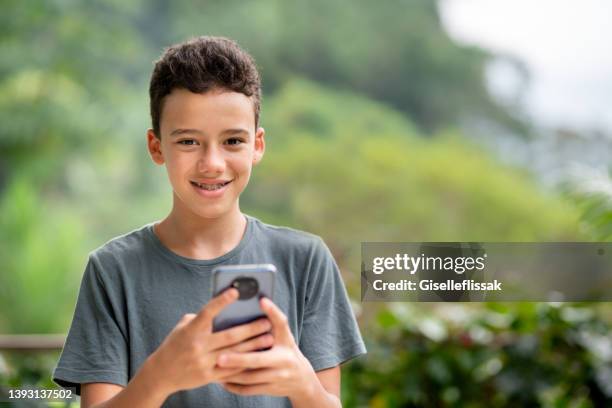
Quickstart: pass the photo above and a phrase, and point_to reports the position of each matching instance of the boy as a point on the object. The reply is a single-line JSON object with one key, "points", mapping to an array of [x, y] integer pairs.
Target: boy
{"points": [[141, 333]]}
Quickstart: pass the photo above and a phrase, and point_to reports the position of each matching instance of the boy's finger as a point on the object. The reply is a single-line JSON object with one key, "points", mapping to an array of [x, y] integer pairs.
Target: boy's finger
{"points": [[220, 373], [256, 359], [256, 376], [212, 308], [280, 325], [258, 343], [238, 334], [259, 389]]}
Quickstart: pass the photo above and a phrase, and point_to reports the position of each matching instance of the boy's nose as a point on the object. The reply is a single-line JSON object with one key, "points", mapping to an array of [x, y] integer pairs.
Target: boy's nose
{"points": [[211, 161]]}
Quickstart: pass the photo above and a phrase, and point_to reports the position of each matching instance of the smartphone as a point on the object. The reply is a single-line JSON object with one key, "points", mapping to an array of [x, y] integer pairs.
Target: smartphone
{"points": [[252, 282]]}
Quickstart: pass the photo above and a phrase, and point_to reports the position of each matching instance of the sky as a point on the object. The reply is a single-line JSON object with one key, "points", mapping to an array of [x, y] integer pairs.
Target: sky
{"points": [[566, 45]]}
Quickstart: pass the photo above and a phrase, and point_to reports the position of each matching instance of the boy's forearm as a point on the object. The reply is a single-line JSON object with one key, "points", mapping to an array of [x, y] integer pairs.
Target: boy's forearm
{"points": [[144, 390], [316, 396]]}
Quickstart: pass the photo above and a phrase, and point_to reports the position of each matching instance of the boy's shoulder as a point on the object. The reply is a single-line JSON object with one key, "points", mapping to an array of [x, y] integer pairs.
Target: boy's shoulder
{"points": [[284, 236], [129, 244], [139, 242]]}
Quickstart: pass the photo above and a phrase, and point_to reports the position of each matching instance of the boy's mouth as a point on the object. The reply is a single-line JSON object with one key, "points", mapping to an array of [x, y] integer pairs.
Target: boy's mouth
{"points": [[209, 187]]}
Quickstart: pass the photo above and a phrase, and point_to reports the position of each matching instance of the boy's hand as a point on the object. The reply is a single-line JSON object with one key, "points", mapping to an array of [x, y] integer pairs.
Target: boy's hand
{"points": [[281, 371], [187, 357]]}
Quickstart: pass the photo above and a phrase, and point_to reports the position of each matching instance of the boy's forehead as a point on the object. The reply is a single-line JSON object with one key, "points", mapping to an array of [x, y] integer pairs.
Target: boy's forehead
{"points": [[212, 111]]}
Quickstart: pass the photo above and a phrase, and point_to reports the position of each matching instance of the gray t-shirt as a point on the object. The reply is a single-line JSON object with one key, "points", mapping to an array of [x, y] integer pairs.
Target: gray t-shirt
{"points": [[135, 290]]}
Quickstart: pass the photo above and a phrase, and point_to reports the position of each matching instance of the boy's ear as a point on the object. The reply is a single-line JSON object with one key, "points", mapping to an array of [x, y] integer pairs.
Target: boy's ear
{"points": [[154, 146], [260, 145]]}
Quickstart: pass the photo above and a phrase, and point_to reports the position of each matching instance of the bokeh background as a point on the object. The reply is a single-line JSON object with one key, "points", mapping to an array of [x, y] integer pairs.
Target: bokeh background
{"points": [[386, 121]]}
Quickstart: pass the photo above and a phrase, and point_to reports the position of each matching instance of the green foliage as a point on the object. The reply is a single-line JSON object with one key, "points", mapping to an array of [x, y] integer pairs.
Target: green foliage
{"points": [[354, 170], [500, 355], [348, 165], [41, 261], [66, 80], [28, 371], [393, 51], [595, 206]]}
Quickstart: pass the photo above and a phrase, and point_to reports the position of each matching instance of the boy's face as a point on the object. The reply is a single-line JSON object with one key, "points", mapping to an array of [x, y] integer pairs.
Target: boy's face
{"points": [[209, 145]]}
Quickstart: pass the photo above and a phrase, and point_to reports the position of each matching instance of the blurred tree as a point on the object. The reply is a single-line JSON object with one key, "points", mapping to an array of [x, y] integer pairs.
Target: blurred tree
{"points": [[396, 52], [354, 170], [592, 194], [501, 355], [64, 66], [346, 159], [348, 167]]}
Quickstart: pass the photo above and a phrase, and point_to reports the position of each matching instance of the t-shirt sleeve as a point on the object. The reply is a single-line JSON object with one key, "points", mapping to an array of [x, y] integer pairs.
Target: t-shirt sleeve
{"points": [[96, 346], [330, 334]]}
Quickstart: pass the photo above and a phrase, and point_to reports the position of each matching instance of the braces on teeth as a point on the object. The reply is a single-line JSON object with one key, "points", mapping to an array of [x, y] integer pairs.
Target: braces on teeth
{"points": [[209, 187]]}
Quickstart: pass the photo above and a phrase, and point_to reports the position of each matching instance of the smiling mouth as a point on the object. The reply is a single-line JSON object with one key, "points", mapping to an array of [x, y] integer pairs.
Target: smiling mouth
{"points": [[210, 187]]}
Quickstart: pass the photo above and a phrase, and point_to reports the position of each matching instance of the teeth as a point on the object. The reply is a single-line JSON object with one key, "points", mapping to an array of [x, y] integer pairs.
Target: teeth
{"points": [[210, 187]]}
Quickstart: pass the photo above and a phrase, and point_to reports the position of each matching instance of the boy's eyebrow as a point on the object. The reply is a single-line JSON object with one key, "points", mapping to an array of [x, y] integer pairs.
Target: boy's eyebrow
{"points": [[178, 132], [235, 131]]}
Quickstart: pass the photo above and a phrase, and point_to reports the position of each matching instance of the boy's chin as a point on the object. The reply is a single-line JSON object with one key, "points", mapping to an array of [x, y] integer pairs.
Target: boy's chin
{"points": [[206, 208], [211, 213]]}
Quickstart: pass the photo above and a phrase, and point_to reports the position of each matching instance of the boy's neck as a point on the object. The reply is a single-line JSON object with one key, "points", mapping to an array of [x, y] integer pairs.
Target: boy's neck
{"points": [[195, 237]]}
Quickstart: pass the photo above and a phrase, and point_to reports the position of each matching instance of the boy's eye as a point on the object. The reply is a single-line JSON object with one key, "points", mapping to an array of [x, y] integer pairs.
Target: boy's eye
{"points": [[187, 142], [234, 141]]}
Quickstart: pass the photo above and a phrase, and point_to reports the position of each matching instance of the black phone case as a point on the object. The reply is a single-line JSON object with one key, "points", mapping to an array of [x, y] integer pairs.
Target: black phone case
{"points": [[247, 310]]}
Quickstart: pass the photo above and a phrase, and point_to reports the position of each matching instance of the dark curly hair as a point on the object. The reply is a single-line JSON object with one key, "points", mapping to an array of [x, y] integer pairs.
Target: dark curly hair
{"points": [[202, 64]]}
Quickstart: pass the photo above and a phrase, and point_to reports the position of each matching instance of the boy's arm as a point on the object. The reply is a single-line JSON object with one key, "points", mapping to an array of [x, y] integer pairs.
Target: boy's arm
{"points": [[330, 380], [186, 359], [142, 391], [98, 393], [281, 371]]}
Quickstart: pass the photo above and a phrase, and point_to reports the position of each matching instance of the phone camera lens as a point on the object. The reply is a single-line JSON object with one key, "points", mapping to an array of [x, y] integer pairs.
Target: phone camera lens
{"points": [[247, 287]]}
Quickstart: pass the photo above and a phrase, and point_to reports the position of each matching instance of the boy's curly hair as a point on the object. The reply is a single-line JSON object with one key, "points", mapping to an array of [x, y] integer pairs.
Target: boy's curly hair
{"points": [[199, 65]]}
